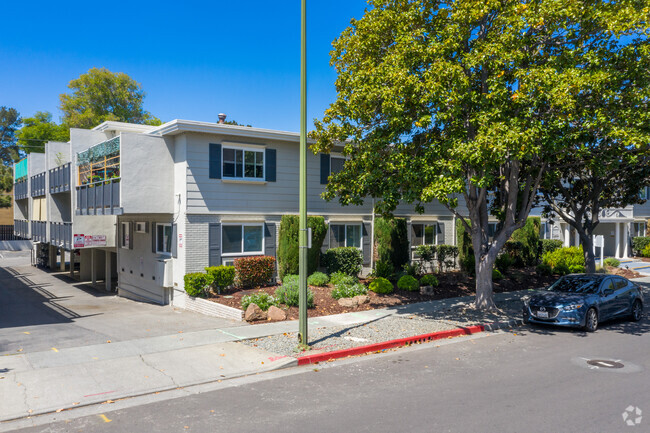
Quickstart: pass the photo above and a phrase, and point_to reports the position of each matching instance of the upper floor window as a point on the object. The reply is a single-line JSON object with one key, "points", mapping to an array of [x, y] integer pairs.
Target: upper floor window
{"points": [[243, 164], [336, 164]]}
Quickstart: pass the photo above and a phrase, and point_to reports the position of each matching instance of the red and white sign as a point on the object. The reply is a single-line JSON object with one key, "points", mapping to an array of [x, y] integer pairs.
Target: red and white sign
{"points": [[79, 241], [99, 241], [85, 241]]}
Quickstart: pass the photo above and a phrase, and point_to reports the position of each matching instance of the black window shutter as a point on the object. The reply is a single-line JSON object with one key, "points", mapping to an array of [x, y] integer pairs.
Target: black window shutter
{"points": [[174, 240], [324, 168], [326, 241], [154, 233], [215, 161], [131, 235], [441, 234], [214, 244], [270, 164], [269, 239], [367, 243]]}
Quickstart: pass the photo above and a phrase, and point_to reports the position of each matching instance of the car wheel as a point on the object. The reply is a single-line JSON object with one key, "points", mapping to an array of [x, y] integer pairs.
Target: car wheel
{"points": [[591, 320], [637, 311]]}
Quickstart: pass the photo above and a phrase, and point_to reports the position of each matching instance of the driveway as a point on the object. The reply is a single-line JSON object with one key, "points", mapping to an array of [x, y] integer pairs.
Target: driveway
{"points": [[41, 310]]}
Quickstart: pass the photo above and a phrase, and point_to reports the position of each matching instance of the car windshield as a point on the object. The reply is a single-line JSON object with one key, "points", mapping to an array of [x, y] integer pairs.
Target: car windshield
{"points": [[577, 284]]}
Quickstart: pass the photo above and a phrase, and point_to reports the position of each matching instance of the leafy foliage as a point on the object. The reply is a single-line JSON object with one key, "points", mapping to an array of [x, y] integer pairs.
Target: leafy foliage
{"points": [[196, 284], [349, 290], [9, 122], [544, 269], [339, 278], [100, 95], [549, 245], [408, 283], [261, 299], [289, 293], [254, 271], [220, 277], [427, 254], [646, 251], [288, 261], [639, 243], [384, 269], [381, 285], [611, 261], [318, 279], [348, 260], [446, 256], [528, 238], [391, 241], [429, 280], [564, 259], [38, 130], [496, 275], [503, 262]]}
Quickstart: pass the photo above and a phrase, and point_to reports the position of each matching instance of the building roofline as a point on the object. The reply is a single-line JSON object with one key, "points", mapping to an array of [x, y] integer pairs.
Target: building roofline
{"points": [[110, 125]]}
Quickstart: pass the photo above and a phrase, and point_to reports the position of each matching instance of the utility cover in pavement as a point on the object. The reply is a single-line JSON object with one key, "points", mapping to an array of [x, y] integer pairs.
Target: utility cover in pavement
{"points": [[605, 363]]}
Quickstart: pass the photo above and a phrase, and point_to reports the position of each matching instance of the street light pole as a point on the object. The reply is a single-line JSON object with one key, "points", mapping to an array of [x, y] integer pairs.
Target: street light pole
{"points": [[302, 237]]}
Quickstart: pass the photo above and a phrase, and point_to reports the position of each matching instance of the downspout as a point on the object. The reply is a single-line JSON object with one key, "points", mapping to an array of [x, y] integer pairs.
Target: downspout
{"points": [[372, 237]]}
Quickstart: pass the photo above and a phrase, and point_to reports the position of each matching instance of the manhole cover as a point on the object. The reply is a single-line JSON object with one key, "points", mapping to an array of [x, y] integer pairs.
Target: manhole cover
{"points": [[605, 363]]}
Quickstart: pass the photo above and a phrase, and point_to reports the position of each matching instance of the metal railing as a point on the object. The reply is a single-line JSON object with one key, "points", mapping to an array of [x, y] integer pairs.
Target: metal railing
{"points": [[21, 190], [39, 231], [21, 228], [7, 233], [38, 185], [61, 234], [60, 179], [99, 198]]}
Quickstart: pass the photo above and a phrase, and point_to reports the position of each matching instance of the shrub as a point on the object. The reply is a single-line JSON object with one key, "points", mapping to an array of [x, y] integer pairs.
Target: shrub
{"points": [[413, 269], [339, 278], [289, 294], [544, 269], [464, 242], [220, 277], [384, 269], [528, 239], [518, 254], [261, 299], [467, 264], [568, 257], [318, 279], [577, 269], [348, 260], [288, 243], [639, 244], [392, 242], [409, 283], [646, 251], [561, 269], [446, 256], [503, 262], [290, 278], [611, 261], [254, 271], [196, 283], [429, 280], [496, 275], [550, 245], [427, 254], [381, 285], [349, 291]]}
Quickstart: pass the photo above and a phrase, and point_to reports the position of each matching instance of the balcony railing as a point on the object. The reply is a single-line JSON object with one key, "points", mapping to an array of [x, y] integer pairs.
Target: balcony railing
{"points": [[38, 185], [99, 198], [21, 190], [60, 179], [61, 234], [39, 231], [21, 228]]}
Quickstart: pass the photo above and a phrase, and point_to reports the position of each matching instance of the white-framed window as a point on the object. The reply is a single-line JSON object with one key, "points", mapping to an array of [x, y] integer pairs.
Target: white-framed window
{"points": [[346, 235], [638, 229], [241, 163], [125, 240], [546, 230], [424, 234], [163, 238], [336, 164], [242, 239], [228, 262]]}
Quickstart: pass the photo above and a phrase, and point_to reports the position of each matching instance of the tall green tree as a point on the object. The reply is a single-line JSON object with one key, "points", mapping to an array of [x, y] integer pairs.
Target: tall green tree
{"points": [[38, 130], [9, 122], [100, 95], [456, 101]]}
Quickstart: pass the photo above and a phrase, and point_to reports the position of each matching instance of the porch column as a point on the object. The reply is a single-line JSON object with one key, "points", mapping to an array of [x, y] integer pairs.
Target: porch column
{"points": [[617, 238], [577, 238], [51, 256], [626, 234], [108, 271], [62, 264], [93, 267], [567, 236], [72, 264]]}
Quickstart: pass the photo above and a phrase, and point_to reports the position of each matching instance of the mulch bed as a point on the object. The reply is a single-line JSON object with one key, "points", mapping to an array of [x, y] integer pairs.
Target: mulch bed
{"points": [[451, 285]]}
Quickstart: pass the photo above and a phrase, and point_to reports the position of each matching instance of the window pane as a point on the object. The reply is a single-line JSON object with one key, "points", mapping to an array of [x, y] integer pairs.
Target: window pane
{"points": [[336, 164], [159, 238], [337, 238], [252, 239], [259, 171], [231, 239], [418, 234], [229, 169], [259, 158], [229, 155], [430, 234], [168, 239], [249, 158], [353, 236], [239, 162]]}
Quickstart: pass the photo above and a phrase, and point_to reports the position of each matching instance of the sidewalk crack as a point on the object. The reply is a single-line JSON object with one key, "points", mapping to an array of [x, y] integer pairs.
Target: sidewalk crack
{"points": [[163, 372], [24, 388]]}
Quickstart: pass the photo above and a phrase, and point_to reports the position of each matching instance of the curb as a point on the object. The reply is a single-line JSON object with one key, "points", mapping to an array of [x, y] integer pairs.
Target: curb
{"points": [[361, 350]]}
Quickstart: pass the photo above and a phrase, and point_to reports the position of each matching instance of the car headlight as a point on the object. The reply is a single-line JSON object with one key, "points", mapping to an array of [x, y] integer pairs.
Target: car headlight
{"points": [[572, 307]]}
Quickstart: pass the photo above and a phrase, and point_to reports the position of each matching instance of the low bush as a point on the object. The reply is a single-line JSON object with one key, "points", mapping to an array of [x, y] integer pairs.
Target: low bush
{"points": [[220, 277], [446, 257], [384, 269], [544, 269], [427, 254], [318, 279], [261, 299], [429, 280], [646, 251], [611, 261], [561, 269], [339, 278], [412, 269], [577, 269], [196, 284], [467, 264], [290, 278], [348, 260], [550, 245], [496, 275], [503, 262], [349, 291], [381, 285], [409, 283], [639, 244], [570, 256], [289, 295], [519, 254], [254, 271]]}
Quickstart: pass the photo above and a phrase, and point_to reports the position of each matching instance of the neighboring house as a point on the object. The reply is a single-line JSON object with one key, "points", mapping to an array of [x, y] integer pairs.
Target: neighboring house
{"points": [[141, 206]]}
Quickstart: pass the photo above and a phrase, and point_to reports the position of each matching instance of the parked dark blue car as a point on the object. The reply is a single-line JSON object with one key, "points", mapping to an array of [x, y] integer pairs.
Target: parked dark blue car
{"points": [[584, 300]]}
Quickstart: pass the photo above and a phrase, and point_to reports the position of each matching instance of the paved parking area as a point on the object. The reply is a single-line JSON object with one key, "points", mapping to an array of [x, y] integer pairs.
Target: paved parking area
{"points": [[41, 310]]}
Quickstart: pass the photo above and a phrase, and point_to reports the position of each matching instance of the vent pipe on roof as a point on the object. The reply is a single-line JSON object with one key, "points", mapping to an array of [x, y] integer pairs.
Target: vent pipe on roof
{"points": [[222, 118]]}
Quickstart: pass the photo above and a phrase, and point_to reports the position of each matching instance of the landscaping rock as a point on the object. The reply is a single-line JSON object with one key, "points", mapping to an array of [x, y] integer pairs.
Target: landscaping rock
{"points": [[253, 312], [362, 299], [276, 313], [427, 290], [348, 302]]}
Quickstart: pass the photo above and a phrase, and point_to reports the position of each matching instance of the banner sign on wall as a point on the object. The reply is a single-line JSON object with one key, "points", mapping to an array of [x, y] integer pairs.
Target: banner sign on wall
{"points": [[85, 241]]}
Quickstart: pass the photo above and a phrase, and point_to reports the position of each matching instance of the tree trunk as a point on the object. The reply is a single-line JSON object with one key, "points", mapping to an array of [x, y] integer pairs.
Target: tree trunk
{"points": [[484, 292], [588, 249]]}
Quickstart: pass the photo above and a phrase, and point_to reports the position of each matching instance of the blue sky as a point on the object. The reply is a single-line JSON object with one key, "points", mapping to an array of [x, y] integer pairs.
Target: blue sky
{"points": [[194, 59]]}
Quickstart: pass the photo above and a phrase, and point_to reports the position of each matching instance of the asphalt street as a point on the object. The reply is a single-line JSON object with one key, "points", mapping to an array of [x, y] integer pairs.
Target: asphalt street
{"points": [[529, 379]]}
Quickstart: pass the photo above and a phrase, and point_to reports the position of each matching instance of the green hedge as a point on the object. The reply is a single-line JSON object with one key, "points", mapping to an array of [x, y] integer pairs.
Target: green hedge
{"points": [[408, 283], [528, 237], [565, 260], [381, 285], [465, 250], [348, 260], [392, 241], [254, 271], [288, 243], [220, 277], [196, 284], [429, 280], [318, 279], [549, 245], [639, 243]]}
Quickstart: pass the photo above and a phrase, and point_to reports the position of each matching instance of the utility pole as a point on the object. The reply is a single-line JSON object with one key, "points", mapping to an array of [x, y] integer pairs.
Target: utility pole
{"points": [[302, 237]]}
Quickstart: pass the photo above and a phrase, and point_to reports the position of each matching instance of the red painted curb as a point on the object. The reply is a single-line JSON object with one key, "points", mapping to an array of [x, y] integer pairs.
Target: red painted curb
{"points": [[327, 356]]}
